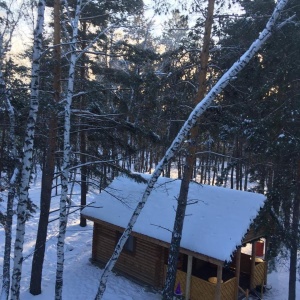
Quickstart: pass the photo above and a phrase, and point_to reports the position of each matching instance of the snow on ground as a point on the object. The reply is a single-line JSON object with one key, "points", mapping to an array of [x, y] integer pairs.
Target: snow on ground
{"points": [[81, 278], [279, 281]]}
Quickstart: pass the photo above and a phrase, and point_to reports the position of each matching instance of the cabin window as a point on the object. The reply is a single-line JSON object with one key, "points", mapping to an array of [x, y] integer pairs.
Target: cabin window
{"points": [[130, 244]]}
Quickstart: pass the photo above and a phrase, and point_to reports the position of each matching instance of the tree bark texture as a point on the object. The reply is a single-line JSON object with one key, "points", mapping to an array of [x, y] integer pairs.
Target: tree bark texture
{"points": [[49, 168], [63, 217], [189, 164], [27, 154], [294, 238], [84, 188]]}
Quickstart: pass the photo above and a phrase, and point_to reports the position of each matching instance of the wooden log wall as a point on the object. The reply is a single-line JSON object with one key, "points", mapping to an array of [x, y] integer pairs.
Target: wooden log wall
{"points": [[146, 264]]}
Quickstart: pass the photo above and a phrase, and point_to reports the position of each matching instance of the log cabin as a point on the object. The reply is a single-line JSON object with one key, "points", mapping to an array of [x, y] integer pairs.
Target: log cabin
{"points": [[213, 262]]}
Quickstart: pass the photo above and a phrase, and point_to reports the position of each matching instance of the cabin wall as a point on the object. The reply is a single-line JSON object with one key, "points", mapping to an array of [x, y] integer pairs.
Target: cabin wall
{"points": [[146, 264]]}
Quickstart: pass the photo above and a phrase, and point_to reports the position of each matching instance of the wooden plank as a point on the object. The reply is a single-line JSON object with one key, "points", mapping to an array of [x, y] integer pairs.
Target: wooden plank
{"points": [[144, 265], [219, 282], [228, 289], [160, 268], [252, 266], [158, 242], [267, 242], [189, 277], [237, 271], [202, 289]]}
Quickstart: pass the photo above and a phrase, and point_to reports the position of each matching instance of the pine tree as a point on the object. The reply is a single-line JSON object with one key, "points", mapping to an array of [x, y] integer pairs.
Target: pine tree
{"points": [[266, 116]]}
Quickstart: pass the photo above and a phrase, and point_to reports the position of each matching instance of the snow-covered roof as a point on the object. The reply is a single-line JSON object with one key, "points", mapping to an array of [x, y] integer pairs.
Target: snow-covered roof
{"points": [[216, 218]]}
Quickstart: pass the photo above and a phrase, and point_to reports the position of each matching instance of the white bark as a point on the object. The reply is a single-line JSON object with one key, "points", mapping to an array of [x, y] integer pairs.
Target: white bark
{"points": [[181, 136], [27, 152], [63, 217]]}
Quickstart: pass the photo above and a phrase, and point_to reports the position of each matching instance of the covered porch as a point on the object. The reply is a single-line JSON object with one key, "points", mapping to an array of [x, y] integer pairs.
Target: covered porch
{"points": [[204, 278]]}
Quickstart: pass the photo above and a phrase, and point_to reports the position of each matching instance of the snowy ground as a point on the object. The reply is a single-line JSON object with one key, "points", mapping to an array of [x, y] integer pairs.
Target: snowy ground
{"points": [[81, 278]]}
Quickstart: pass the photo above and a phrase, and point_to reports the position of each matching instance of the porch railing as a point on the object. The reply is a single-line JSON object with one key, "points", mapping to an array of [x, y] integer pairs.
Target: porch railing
{"points": [[204, 290]]}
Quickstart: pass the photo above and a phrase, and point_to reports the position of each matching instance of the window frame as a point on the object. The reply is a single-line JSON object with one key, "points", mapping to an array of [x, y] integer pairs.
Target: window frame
{"points": [[130, 245]]}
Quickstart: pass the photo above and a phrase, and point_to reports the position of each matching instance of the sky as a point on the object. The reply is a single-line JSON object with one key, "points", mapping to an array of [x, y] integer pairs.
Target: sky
{"points": [[23, 34], [160, 19]]}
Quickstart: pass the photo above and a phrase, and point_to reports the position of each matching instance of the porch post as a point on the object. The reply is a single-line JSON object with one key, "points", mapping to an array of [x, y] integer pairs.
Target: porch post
{"points": [[188, 277], [237, 271], [252, 265], [219, 281], [266, 258]]}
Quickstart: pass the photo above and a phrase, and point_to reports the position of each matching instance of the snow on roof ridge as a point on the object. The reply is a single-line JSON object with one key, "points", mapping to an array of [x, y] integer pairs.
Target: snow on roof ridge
{"points": [[216, 221]]}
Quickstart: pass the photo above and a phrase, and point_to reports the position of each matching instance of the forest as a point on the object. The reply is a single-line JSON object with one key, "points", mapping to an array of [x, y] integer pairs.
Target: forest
{"points": [[202, 90]]}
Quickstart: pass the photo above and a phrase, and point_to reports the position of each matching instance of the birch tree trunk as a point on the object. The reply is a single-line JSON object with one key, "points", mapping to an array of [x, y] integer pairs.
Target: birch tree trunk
{"points": [[83, 139], [7, 29], [27, 154], [63, 217], [181, 136]]}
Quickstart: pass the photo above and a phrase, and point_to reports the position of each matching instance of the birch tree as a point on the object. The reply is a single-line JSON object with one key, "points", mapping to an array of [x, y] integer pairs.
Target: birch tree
{"points": [[63, 218], [8, 26], [74, 56], [27, 153], [200, 108]]}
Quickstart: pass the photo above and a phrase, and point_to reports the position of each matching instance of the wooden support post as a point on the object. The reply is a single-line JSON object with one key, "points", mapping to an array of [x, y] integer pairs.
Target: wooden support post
{"points": [[219, 282], [266, 259], [252, 266], [237, 271], [188, 277]]}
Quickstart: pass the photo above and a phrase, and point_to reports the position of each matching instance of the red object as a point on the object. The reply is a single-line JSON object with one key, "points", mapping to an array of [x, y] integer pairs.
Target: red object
{"points": [[259, 248]]}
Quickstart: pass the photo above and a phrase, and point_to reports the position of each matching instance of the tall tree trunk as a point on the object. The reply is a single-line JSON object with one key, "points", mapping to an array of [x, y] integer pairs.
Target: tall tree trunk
{"points": [[63, 217], [28, 154], [84, 186], [3, 131], [168, 292], [182, 134], [49, 167], [84, 189], [294, 238], [232, 177]]}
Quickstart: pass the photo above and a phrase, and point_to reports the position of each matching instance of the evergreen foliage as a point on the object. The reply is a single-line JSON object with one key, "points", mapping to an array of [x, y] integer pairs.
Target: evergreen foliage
{"points": [[133, 91]]}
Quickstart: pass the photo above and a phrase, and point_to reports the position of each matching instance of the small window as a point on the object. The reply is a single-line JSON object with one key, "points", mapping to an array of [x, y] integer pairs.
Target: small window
{"points": [[129, 246]]}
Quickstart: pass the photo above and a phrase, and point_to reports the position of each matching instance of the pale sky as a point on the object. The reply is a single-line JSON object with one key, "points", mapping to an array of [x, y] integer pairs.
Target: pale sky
{"points": [[160, 19], [23, 34]]}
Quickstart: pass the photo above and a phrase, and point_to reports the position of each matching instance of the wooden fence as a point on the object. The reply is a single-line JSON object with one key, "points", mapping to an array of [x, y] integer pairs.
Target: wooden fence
{"points": [[203, 289]]}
